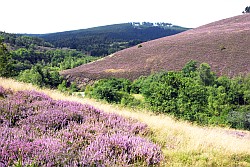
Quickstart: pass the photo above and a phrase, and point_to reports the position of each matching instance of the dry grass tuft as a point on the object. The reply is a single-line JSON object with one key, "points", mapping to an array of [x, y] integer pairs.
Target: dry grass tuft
{"points": [[114, 70], [183, 143]]}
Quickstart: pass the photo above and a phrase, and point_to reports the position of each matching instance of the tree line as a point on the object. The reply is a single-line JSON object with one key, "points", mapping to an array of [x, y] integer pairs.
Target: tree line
{"points": [[247, 10]]}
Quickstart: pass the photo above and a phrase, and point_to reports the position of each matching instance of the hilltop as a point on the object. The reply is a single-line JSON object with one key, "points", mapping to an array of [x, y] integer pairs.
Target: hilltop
{"points": [[223, 44], [104, 40]]}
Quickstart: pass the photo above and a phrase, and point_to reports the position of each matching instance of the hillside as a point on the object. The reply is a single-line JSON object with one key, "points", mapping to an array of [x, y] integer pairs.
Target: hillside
{"points": [[223, 44], [182, 143], [104, 40]]}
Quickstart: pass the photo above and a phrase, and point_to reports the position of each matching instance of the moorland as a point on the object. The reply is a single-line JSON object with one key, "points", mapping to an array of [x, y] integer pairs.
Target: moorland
{"points": [[180, 100]]}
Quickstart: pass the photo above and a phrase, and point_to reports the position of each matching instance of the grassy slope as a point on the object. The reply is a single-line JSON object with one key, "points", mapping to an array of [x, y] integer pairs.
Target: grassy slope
{"points": [[183, 144]]}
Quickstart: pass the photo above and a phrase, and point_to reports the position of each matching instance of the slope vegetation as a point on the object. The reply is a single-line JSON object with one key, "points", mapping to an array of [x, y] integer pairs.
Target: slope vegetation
{"points": [[223, 44], [62, 133], [182, 143]]}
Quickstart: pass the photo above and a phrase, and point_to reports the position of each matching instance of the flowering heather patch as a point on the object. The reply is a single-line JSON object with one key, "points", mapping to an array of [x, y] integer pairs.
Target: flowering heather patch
{"points": [[117, 149], [35, 129]]}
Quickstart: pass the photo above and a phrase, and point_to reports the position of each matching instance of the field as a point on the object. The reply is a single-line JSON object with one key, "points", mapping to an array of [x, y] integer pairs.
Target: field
{"points": [[182, 143]]}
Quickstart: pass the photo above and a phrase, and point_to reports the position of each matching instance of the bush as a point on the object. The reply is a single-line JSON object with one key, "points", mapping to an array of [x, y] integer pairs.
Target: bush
{"points": [[107, 93], [39, 76], [129, 100], [137, 85], [109, 89]]}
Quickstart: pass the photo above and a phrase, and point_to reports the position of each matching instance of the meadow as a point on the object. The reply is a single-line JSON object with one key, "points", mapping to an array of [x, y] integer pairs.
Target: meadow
{"points": [[182, 143]]}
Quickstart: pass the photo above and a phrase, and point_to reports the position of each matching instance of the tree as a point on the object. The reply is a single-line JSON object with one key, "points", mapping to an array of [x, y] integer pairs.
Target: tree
{"points": [[32, 76], [161, 91], [73, 87], [63, 86], [207, 77], [6, 67], [247, 10], [190, 68]]}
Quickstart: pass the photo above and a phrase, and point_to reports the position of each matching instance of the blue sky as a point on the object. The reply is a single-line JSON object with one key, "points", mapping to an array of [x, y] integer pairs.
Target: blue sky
{"points": [[47, 16]]}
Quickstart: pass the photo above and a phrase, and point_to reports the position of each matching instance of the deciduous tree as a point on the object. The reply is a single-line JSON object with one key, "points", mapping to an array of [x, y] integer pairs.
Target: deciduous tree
{"points": [[6, 68]]}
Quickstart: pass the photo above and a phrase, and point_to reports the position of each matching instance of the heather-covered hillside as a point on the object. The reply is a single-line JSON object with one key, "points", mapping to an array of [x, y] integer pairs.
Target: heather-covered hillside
{"points": [[37, 130], [182, 143], [223, 44]]}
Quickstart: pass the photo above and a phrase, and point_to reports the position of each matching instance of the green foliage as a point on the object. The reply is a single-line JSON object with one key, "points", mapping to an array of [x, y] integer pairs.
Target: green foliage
{"points": [[199, 96], [33, 60], [137, 85], [240, 119], [161, 91], [191, 101], [129, 100], [193, 94], [37, 75], [29, 51], [60, 59], [63, 86], [111, 90], [24, 41], [73, 87], [6, 66], [206, 76], [190, 69]]}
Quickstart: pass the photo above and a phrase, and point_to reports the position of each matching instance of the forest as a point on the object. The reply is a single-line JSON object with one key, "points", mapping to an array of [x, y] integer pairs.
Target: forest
{"points": [[105, 40], [31, 59]]}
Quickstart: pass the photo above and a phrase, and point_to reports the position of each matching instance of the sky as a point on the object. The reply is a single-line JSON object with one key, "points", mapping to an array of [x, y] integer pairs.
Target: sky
{"points": [[48, 16]]}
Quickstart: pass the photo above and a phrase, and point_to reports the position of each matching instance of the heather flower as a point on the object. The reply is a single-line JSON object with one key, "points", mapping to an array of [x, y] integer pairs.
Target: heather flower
{"points": [[15, 147], [119, 149], [35, 129]]}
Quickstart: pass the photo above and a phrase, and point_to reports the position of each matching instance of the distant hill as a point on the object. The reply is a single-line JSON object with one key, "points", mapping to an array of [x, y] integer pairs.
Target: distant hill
{"points": [[104, 40], [223, 44]]}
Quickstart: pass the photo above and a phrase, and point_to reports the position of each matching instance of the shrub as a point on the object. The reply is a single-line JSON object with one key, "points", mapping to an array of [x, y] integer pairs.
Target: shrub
{"points": [[109, 89], [129, 100]]}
